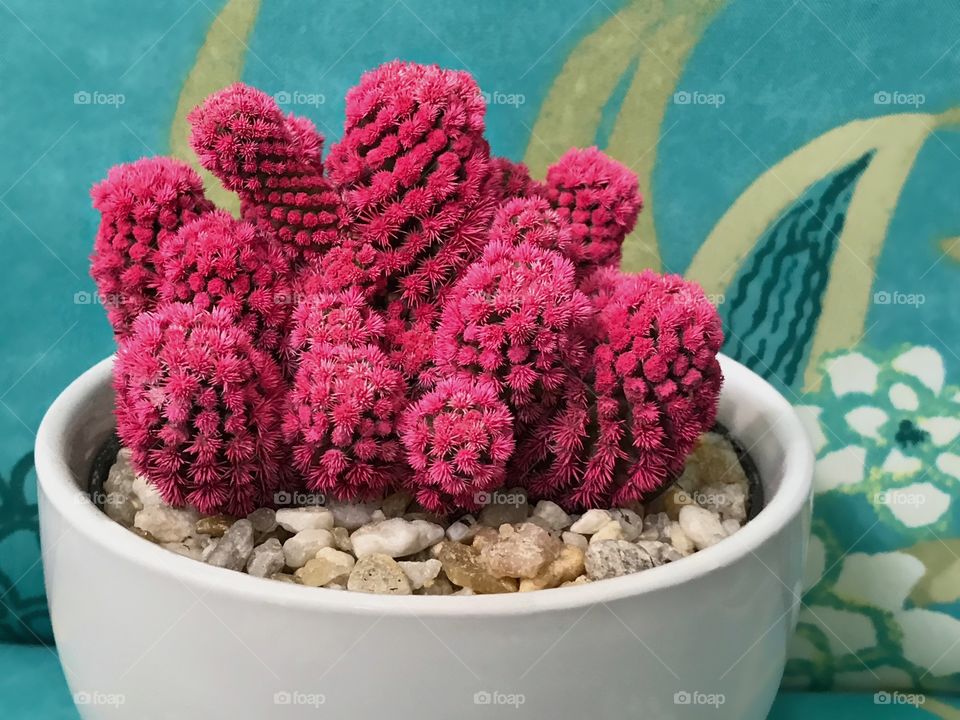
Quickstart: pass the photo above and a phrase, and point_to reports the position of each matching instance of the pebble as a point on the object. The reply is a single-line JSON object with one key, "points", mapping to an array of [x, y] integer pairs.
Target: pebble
{"points": [[566, 568], [122, 507], [520, 552], [264, 520], [421, 573], [554, 515], [673, 499], [507, 507], [351, 515], [395, 537], [612, 530], [121, 476], [341, 539], [146, 493], [591, 521], [631, 521], [613, 558], [284, 577], [396, 505], [701, 526], [461, 564], [730, 500], [266, 559], [679, 539], [463, 529], [380, 574], [329, 566], [233, 549], [305, 545], [440, 586], [660, 552], [305, 518], [484, 536], [655, 526], [165, 523], [215, 525], [575, 539], [730, 526]]}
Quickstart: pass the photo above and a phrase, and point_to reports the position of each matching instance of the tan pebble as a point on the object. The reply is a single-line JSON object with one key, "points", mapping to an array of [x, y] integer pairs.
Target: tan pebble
{"points": [[674, 499], [613, 530], [341, 538], [582, 580], [461, 564], [485, 536], [329, 566], [144, 534], [521, 552], [679, 539], [440, 586], [215, 525], [566, 568], [380, 574]]}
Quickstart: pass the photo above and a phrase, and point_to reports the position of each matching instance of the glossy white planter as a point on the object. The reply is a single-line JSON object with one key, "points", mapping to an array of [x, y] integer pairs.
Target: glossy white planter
{"points": [[147, 635]]}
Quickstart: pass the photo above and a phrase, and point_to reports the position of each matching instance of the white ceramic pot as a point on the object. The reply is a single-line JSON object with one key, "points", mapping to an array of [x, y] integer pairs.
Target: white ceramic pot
{"points": [[147, 635]]}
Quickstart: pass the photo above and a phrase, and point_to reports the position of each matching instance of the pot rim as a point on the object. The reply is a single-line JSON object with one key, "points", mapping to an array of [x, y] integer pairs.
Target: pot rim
{"points": [[59, 486]]}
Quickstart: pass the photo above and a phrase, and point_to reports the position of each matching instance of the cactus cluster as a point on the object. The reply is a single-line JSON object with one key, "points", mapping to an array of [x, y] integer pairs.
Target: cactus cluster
{"points": [[409, 313]]}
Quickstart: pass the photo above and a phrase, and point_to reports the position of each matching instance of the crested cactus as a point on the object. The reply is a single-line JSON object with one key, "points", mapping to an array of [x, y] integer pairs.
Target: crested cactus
{"points": [[407, 313]]}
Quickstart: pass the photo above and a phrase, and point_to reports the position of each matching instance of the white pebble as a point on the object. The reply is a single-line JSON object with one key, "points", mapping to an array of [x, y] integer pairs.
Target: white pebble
{"points": [[305, 545], [351, 515], [631, 521], [305, 518], [165, 523], [730, 526], [575, 539], [395, 537], [591, 521], [555, 516], [421, 573], [146, 493], [701, 526], [679, 539], [612, 530]]}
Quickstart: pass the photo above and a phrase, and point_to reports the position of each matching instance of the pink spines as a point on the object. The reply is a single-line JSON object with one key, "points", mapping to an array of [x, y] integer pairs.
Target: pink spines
{"points": [[514, 318], [335, 318], [531, 220], [200, 409], [217, 261], [652, 389], [412, 166], [458, 439], [509, 180], [273, 163], [599, 198], [142, 205], [341, 418]]}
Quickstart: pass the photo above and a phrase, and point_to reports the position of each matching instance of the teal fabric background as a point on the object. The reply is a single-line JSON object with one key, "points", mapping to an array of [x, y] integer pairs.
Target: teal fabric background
{"points": [[789, 73]]}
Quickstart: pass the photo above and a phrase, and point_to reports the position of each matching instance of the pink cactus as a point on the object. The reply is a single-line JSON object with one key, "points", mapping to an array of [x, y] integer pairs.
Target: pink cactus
{"points": [[653, 389], [200, 408], [142, 205], [412, 166], [341, 421], [458, 439], [338, 318], [217, 261], [531, 220], [599, 198], [514, 319], [273, 163], [509, 180]]}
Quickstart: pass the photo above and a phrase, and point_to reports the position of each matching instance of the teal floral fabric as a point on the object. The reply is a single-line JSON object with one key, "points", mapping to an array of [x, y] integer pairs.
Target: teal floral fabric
{"points": [[798, 159]]}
